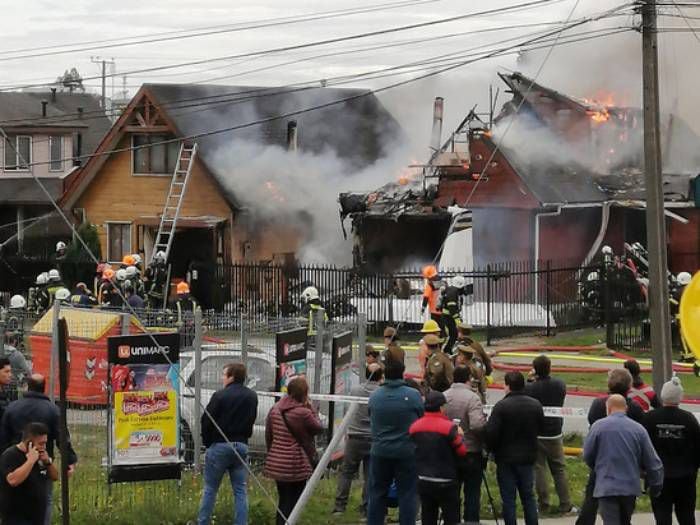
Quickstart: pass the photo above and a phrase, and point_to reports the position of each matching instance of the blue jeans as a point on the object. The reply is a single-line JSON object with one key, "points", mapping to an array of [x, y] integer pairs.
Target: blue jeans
{"points": [[382, 471], [512, 477], [220, 458]]}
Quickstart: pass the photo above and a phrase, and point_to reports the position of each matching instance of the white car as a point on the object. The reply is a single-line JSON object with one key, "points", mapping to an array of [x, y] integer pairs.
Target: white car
{"points": [[261, 378]]}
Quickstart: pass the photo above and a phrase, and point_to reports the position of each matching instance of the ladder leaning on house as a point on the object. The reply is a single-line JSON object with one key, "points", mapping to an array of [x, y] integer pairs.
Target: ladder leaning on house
{"points": [[176, 195]]}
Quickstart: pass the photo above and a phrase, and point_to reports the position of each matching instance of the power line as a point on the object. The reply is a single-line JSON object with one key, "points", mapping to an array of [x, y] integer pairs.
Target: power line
{"points": [[397, 29], [274, 22]]}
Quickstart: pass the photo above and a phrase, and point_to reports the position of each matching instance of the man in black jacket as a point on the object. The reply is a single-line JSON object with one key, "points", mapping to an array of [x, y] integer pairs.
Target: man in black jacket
{"points": [[234, 409], [35, 407], [619, 382], [511, 434], [675, 434], [551, 392]]}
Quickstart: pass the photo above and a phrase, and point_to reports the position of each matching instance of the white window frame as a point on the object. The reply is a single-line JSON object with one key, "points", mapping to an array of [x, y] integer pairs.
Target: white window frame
{"points": [[109, 243], [60, 153], [17, 168]]}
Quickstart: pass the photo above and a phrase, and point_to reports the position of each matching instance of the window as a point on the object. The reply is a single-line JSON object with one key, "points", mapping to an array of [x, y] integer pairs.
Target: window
{"points": [[118, 240], [18, 153], [155, 160], [56, 153], [261, 374]]}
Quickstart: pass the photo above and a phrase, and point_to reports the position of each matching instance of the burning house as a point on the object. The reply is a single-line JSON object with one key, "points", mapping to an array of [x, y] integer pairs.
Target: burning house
{"points": [[552, 177]]}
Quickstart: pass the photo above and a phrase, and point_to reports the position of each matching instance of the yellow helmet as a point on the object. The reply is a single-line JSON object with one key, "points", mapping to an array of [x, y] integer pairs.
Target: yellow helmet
{"points": [[430, 327]]}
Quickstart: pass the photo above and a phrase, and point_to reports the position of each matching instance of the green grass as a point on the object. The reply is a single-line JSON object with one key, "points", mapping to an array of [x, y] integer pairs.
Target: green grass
{"points": [[176, 503], [583, 337]]}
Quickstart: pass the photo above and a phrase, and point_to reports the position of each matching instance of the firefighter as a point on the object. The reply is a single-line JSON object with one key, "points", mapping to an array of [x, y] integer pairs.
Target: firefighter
{"points": [[451, 301], [97, 279], [438, 366], [54, 284], [185, 307], [155, 280], [39, 300], [466, 356], [392, 348], [138, 262], [63, 295], [682, 280], [109, 296], [311, 304], [82, 297], [60, 253], [133, 280], [481, 356], [431, 296], [13, 342]]}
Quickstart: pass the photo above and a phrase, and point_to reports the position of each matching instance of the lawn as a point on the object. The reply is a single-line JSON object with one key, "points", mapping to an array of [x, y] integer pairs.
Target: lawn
{"points": [[172, 502]]}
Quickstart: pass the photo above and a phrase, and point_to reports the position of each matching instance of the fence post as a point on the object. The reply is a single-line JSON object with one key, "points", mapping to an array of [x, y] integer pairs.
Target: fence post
{"points": [[62, 330], [488, 305], [197, 430], [547, 298], [321, 467], [361, 344], [56, 311], [244, 338], [609, 327], [318, 358], [125, 322]]}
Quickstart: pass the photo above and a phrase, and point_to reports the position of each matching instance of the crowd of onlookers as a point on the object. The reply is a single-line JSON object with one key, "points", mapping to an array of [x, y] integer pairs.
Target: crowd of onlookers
{"points": [[424, 443]]}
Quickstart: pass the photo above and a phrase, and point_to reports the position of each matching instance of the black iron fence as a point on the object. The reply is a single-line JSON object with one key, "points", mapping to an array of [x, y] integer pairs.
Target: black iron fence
{"points": [[505, 298]]}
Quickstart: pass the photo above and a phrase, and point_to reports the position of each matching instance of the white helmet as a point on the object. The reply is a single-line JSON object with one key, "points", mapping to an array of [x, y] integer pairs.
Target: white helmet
{"points": [[54, 275], [684, 278], [606, 250], [309, 294], [42, 278], [130, 271], [160, 256], [17, 301], [137, 258], [60, 245], [62, 294], [121, 274], [593, 276], [459, 281]]}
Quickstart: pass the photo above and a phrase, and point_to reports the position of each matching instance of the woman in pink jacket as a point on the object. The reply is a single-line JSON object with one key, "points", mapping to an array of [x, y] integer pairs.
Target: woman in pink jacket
{"points": [[291, 452]]}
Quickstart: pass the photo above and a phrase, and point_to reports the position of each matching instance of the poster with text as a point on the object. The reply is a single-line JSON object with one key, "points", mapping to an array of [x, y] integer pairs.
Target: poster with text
{"points": [[291, 356], [144, 380]]}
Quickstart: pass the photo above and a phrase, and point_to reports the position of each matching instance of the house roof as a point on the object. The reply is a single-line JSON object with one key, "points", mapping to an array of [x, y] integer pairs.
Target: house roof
{"points": [[25, 190], [23, 110], [356, 130]]}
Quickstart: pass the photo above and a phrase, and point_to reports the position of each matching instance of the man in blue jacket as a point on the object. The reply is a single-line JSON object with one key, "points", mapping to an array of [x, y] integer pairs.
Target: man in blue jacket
{"points": [[618, 450], [393, 408]]}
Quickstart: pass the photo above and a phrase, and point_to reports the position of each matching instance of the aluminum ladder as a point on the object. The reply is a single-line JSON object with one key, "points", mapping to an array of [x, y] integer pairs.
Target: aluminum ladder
{"points": [[176, 195]]}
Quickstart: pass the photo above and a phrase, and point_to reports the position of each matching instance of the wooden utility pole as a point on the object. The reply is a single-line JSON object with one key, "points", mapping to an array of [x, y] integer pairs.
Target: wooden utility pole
{"points": [[656, 223]]}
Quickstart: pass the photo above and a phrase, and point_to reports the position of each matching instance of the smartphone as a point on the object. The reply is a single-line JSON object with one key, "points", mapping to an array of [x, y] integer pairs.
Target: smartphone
{"points": [[30, 444]]}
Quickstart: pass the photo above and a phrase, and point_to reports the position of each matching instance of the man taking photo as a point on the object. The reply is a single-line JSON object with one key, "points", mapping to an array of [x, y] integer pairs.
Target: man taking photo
{"points": [[26, 469], [233, 409]]}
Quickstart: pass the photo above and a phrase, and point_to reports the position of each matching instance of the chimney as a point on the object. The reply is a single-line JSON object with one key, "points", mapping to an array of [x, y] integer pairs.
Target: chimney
{"points": [[436, 137], [80, 112], [53, 95], [292, 135], [44, 103]]}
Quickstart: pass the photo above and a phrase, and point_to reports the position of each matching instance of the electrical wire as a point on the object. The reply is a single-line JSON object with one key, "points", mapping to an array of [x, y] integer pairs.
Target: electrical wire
{"points": [[392, 30]]}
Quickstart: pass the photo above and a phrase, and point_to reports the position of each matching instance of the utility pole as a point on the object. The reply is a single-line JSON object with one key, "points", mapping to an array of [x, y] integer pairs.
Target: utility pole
{"points": [[103, 62], [659, 314]]}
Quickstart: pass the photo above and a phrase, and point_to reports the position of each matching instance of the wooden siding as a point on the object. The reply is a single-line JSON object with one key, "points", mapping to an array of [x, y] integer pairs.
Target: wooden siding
{"points": [[117, 195]]}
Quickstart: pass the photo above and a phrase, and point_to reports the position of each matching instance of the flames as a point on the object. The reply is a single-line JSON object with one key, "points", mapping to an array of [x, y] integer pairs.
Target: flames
{"points": [[598, 117], [598, 108], [408, 174]]}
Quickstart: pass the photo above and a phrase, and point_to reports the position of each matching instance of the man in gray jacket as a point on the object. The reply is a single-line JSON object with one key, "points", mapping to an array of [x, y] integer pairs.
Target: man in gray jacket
{"points": [[464, 404], [618, 450], [358, 443]]}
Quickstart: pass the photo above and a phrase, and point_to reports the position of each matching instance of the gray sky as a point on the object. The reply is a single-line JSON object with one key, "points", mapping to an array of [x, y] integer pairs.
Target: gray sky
{"points": [[584, 68]]}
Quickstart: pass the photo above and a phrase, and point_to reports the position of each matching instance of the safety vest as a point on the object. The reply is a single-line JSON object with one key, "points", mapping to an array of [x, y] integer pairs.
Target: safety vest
{"points": [[432, 296], [313, 308]]}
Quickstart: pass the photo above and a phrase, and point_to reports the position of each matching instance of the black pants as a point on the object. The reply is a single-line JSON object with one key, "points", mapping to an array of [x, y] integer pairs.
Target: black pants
{"points": [[678, 494], [440, 321], [589, 507], [288, 493], [435, 497], [451, 326], [617, 510], [470, 471]]}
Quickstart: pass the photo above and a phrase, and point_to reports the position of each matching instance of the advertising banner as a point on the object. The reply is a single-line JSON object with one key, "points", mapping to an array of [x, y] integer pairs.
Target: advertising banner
{"points": [[144, 415], [343, 376], [291, 356]]}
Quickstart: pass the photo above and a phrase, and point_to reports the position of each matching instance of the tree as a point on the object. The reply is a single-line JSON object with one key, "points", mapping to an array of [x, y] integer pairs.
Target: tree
{"points": [[71, 80], [78, 264]]}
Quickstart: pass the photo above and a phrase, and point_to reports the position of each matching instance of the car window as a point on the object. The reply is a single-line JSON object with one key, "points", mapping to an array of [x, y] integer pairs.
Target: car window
{"points": [[184, 361], [261, 375]]}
